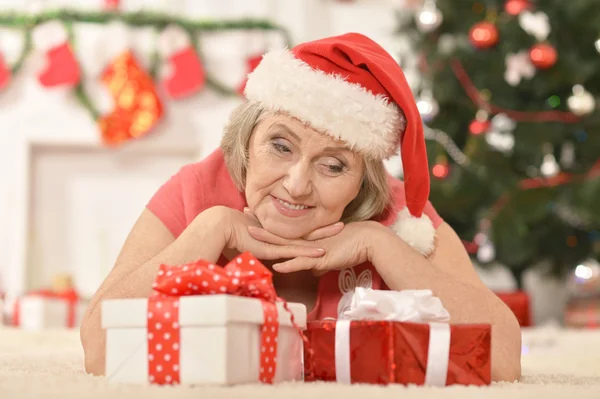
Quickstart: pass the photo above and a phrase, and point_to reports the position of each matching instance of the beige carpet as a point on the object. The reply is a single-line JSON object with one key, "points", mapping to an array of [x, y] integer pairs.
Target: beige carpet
{"points": [[558, 364]]}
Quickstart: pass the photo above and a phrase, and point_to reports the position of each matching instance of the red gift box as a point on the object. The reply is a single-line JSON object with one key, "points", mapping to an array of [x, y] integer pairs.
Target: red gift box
{"points": [[388, 352], [519, 303]]}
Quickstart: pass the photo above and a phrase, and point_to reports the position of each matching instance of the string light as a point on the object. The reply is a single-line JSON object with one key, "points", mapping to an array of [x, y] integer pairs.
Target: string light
{"points": [[450, 146]]}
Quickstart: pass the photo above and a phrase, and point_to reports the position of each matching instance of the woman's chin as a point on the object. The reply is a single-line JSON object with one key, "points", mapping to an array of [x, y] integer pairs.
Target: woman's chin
{"points": [[285, 230]]}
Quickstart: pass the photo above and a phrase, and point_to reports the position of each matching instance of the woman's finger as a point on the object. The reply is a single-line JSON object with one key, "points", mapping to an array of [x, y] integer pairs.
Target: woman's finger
{"points": [[296, 264], [274, 252], [325, 232]]}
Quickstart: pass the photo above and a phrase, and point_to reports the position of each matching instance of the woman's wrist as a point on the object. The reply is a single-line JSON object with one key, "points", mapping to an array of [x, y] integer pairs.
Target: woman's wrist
{"points": [[378, 238], [210, 231]]}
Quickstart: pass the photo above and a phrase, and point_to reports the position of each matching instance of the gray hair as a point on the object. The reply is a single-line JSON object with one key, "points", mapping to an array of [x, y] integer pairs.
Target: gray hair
{"points": [[373, 196]]}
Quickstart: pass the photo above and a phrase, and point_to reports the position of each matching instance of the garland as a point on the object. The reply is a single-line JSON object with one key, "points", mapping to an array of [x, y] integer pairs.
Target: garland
{"points": [[191, 28]]}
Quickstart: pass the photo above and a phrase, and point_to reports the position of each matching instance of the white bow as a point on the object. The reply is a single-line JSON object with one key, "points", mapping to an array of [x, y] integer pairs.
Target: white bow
{"points": [[536, 24], [500, 134], [518, 66]]}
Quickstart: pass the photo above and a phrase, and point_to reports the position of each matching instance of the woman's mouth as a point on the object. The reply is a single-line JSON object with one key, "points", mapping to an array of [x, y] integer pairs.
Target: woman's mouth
{"points": [[289, 209]]}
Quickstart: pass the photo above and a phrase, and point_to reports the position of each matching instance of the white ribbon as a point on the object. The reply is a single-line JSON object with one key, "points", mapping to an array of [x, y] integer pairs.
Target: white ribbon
{"points": [[438, 354], [414, 306], [342, 351]]}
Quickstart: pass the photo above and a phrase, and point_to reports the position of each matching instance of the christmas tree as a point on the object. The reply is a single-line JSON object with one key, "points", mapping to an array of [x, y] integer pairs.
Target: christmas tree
{"points": [[509, 96]]}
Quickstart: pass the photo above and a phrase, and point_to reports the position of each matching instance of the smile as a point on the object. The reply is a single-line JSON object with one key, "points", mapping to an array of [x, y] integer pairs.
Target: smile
{"points": [[295, 207], [290, 210]]}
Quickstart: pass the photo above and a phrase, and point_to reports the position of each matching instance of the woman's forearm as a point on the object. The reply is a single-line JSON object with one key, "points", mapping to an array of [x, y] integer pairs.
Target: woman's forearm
{"points": [[200, 240], [402, 268]]}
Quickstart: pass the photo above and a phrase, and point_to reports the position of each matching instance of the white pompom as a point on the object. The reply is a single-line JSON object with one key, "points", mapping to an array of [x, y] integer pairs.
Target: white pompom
{"points": [[49, 35], [172, 40], [419, 233]]}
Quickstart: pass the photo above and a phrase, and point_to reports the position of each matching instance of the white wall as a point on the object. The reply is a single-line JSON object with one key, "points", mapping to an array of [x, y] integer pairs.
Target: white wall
{"points": [[66, 202]]}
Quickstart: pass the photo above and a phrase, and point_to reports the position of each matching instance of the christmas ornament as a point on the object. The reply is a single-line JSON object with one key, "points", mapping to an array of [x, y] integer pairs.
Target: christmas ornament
{"points": [[581, 102], [550, 167], [536, 24], [111, 4], [184, 74], [543, 55], [441, 169], [251, 63], [480, 124], [428, 107], [137, 108], [516, 7], [584, 279], [61, 67], [518, 66], [597, 44], [486, 251], [429, 17], [447, 43], [567, 155], [5, 73], [499, 135], [483, 35]]}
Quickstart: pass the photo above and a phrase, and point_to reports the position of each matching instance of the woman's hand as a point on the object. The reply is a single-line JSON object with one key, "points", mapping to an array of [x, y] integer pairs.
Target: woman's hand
{"points": [[237, 238], [349, 247]]}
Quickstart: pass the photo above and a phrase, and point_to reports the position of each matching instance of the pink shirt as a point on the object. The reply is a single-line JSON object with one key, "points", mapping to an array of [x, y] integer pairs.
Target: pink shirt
{"points": [[199, 186]]}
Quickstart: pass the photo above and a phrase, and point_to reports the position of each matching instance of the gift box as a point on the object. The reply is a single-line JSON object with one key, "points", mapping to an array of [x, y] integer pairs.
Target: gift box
{"points": [[205, 325], [519, 303], [44, 310], [582, 312], [383, 350]]}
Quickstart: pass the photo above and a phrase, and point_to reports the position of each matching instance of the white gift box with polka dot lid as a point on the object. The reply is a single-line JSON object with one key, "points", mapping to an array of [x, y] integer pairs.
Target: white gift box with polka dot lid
{"points": [[219, 343]]}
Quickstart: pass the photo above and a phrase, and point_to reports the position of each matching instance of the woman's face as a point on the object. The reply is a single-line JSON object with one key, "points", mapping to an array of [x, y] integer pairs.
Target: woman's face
{"points": [[299, 179]]}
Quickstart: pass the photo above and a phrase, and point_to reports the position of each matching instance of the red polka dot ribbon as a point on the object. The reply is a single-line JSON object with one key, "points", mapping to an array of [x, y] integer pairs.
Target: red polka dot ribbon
{"points": [[244, 276]]}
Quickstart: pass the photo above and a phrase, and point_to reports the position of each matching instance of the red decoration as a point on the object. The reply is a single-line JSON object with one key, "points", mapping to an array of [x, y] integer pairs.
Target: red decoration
{"points": [[519, 303], [478, 127], [440, 171], [70, 296], [184, 72], [251, 64], [137, 105], [187, 75], [484, 35], [5, 73], [244, 276], [383, 352], [543, 55], [112, 4], [61, 68], [516, 7]]}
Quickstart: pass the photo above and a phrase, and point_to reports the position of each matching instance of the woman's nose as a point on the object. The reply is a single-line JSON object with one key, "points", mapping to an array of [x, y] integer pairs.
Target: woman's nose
{"points": [[298, 180]]}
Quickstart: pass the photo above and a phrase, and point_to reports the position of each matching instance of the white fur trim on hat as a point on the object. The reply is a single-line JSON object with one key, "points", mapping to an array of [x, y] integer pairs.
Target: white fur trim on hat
{"points": [[346, 111], [49, 35], [172, 40], [419, 233]]}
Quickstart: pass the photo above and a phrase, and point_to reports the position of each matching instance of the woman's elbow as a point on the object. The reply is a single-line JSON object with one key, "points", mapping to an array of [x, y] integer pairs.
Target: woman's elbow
{"points": [[93, 343], [506, 348]]}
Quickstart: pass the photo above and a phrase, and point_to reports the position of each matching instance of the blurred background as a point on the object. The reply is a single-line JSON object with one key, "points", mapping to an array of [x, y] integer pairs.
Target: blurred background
{"points": [[508, 91]]}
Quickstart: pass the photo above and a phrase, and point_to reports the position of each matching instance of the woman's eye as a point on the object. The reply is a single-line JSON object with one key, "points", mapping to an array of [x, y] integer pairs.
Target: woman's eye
{"points": [[280, 147], [335, 168]]}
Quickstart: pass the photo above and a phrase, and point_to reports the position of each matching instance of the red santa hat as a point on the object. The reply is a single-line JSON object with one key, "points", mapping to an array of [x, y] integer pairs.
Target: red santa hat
{"points": [[349, 87]]}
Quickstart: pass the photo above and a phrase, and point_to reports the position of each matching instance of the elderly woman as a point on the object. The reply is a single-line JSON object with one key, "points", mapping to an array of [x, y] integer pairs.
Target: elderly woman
{"points": [[299, 181]]}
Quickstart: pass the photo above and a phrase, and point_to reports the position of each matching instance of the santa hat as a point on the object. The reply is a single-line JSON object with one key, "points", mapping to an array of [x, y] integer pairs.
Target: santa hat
{"points": [[349, 87]]}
